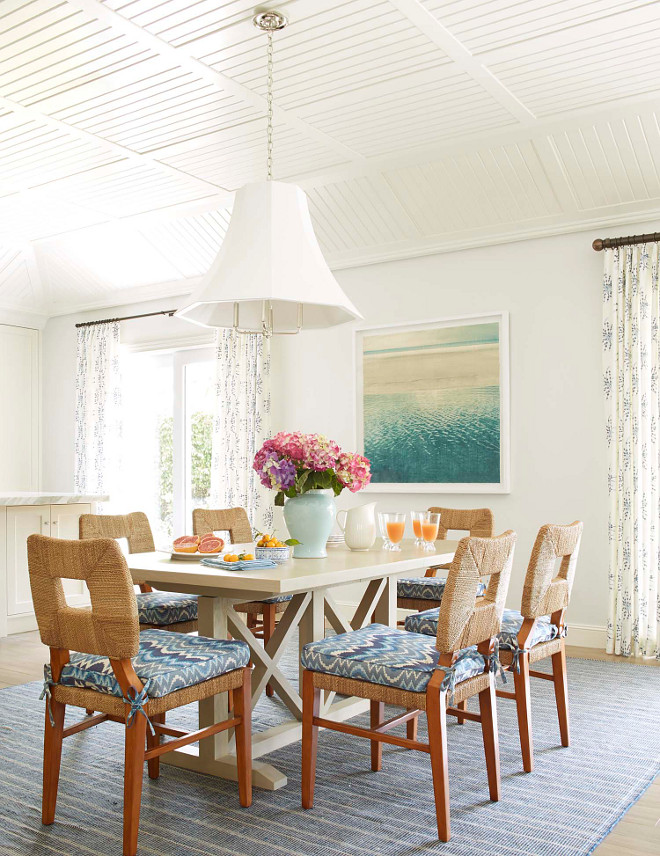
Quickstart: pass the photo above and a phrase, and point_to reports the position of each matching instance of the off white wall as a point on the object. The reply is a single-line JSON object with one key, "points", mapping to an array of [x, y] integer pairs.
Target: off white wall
{"points": [[550, 287]]}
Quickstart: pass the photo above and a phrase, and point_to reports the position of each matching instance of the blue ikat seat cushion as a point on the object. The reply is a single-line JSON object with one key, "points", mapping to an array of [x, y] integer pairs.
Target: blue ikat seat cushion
{"points": [[386, 656], [168, 661], [165, 607], [512, 621], [280, 598], [427, 623], [427, 588]]}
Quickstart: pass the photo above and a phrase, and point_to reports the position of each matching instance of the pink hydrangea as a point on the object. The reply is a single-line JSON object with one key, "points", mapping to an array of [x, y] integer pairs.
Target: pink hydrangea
{"points": [[353, 471]]}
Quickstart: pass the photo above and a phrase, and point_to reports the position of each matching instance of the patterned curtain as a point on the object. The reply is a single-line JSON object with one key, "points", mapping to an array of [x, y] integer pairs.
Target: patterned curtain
{"points": [[631, 351], [98, 414], [242, 423]]}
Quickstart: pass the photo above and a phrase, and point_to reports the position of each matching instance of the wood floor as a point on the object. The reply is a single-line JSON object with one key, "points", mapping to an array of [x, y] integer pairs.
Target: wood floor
{"points": [[22, 659]]}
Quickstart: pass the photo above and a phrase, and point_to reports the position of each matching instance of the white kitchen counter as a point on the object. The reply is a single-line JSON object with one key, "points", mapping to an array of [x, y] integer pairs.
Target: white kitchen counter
{"points": [[20, 497]]}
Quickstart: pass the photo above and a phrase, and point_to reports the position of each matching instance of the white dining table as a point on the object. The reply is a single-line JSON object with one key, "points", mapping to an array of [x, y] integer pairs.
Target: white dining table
{"points": [[310, 582]]}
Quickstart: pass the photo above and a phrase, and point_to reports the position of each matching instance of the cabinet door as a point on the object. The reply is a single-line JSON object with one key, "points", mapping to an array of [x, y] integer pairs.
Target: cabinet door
{"points": [[64, 524], [22, 520], [19, 393]]}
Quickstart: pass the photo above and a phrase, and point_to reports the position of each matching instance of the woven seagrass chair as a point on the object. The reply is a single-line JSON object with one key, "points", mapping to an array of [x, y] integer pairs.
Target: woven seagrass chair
{"points": [[261, 614], [163, 610], [538, 631], [391, 666], [99, 660], [425, 592]]}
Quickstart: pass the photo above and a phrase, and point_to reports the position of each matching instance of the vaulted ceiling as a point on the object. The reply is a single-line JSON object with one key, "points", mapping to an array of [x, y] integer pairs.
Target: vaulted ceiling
{"points": [[415, 126]]}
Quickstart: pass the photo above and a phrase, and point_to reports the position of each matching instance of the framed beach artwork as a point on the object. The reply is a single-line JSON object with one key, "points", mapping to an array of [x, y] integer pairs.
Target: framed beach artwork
{"points": [[433, 405]]}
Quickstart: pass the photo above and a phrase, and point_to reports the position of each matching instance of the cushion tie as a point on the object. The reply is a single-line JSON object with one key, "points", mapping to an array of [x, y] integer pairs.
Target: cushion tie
{"points": [[448, 684], [137, 701], [517, 651], [46, 693], [493, 663]]}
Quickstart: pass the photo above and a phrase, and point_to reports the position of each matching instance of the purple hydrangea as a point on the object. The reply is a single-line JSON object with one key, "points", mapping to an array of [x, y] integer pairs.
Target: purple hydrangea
{"points": [[277, 472]]}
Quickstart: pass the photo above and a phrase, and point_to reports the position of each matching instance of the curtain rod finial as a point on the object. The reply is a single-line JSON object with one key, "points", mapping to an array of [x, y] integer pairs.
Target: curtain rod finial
{"points": [[598, 244]]}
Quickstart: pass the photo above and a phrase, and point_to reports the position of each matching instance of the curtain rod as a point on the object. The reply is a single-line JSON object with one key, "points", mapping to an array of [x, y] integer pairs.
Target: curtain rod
{"points": [[169, 312], [609, 243]]}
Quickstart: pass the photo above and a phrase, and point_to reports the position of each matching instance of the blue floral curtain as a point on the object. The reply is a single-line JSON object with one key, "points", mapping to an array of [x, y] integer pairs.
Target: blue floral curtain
{"points": [[631, 354], [242, 423], [98, 409]]}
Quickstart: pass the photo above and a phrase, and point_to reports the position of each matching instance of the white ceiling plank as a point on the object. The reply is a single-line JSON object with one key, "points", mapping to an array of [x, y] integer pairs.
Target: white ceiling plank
{"points": [[445, 40], [182, 56]]}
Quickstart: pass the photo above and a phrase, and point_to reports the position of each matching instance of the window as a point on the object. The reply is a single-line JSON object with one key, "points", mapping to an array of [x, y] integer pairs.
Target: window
{"points": [[167, 426]]}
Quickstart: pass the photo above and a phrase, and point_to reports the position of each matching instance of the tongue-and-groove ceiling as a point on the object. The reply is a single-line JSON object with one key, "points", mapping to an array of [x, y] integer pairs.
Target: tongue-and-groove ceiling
{"points": [[415, 126]]}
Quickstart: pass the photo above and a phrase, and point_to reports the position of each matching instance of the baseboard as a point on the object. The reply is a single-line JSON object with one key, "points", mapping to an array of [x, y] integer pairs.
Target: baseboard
{"points": [[21, 623], [580, 635], [586, 636]]}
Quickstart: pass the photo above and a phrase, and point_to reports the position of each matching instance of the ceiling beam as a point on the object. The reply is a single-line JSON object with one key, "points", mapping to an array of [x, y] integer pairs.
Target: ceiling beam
{"points": [[456, 50], [183, 56]]}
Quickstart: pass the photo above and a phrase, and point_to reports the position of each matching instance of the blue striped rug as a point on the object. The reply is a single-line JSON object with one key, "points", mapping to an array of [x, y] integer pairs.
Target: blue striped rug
{"points": [[565, 808]]}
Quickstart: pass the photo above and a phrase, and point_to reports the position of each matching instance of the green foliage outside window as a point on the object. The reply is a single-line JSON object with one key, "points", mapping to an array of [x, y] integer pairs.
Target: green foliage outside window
{"points": [[201, 425]]}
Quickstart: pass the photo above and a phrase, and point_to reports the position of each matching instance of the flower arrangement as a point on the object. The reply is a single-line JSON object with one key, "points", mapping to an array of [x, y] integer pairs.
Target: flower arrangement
{"points": [[293, 463]]}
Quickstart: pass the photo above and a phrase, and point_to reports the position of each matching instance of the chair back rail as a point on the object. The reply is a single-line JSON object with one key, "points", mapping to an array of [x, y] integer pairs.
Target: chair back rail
{"points": [[110, 629], [545, 593], [134, 527], [463, 620], [479, 522], [233, 520]]}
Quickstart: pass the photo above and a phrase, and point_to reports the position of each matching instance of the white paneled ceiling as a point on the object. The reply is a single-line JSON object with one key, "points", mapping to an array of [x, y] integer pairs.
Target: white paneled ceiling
{"points": [[415, 126]]}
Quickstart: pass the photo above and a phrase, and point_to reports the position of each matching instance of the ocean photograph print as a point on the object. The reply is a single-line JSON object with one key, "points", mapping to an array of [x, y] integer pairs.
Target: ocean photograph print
{"points": [[433, 405]]}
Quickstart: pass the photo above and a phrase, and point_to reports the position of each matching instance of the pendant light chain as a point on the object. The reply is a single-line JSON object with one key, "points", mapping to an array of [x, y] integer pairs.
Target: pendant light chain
{"points": [[269, 101]]}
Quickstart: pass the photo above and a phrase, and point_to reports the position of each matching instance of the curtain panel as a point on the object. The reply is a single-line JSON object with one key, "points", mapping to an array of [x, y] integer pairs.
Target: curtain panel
{"points": [[631, 372], [98, 409], [241, 424]]}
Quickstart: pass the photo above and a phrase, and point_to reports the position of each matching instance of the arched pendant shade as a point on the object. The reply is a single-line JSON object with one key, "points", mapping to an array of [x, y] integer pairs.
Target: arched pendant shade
{"points": [[269, 266]]}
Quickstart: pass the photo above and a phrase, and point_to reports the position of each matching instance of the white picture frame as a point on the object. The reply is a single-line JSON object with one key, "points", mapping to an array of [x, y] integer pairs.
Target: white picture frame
{"points": [[504, 483]]}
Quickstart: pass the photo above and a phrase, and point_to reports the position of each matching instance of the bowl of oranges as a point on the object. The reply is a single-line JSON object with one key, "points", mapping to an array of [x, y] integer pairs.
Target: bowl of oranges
{"points": [[270, 547]]}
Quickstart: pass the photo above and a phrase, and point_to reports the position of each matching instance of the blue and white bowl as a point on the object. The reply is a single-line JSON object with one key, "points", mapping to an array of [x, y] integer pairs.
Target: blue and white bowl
{"points": [[279, 555]]}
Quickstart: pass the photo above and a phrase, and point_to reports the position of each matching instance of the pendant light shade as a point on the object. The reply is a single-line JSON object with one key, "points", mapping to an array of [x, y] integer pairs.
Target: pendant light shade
{"points": [[269, 275]]}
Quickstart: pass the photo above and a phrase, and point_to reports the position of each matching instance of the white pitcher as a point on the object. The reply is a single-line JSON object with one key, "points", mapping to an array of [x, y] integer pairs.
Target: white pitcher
{"points": [[359, 526]]}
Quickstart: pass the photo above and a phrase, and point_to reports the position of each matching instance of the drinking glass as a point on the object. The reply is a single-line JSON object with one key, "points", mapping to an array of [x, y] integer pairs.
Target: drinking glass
{"points": [[392, 527], [430, 526], [417, 517]]}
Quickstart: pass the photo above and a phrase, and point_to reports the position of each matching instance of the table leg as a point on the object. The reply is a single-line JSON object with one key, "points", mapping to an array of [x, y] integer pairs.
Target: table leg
{"points": [[385, 611]]}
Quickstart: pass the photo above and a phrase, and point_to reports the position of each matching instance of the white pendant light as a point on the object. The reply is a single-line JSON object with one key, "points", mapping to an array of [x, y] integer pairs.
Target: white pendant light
{"points": [[269, 275]]}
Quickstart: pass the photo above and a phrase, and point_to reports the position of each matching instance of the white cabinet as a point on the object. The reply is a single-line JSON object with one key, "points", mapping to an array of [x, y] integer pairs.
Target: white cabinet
{"points": [[59, 521], [19, 394]]}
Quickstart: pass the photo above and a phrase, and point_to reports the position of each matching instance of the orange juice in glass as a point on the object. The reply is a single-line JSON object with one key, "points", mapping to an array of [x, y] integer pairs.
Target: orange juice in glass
{"points": [[392, 527], [430, 526], [417, 517]]}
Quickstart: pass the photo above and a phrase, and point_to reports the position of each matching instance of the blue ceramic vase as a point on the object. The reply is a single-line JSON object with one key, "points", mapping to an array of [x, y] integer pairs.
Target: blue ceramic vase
{"points": [[309, 519]]}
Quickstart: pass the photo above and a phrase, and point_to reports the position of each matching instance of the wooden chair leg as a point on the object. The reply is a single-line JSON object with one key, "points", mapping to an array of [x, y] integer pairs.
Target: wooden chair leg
{"points": [[488, 710], [243, 710], [462, 705], [153, 740], [377, 713], [89, 711], [133, 772], [270, 612], [411, 728], [251, 620], [52, 759], [311, 697], [561, 693], [436, 716], [524, 707]]}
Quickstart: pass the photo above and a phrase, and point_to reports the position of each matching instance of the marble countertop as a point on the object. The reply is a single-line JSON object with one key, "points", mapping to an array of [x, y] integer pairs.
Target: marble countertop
{"points": [[25, 497]]}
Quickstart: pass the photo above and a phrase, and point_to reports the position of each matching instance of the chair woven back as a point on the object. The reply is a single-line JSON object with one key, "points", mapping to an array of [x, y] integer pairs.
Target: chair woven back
{"points": [[479, 522], [544, 592], [462, 621], [134, 527], [111, 627], [233, 520]]}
